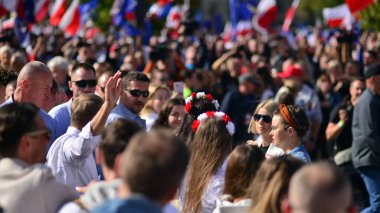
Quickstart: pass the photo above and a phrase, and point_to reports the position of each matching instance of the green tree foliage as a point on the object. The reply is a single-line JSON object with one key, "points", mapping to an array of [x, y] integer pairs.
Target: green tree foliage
{"points": [[370, 17]]}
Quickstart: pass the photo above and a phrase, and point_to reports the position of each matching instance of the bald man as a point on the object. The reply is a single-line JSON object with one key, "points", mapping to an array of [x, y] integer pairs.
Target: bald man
{"points": [[33, 86], [313, 191]]}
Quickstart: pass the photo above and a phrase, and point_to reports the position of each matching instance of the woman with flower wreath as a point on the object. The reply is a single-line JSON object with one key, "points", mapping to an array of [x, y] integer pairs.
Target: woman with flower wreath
{"points": [[211, 145], [196, 104]]}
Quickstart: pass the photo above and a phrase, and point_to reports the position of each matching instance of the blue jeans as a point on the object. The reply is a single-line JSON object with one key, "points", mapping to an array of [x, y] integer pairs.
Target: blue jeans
{"points": [[371, 178]]}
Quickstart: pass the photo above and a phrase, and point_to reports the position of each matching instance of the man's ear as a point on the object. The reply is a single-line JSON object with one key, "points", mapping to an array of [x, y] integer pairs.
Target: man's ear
{"points": [[25, 84]]}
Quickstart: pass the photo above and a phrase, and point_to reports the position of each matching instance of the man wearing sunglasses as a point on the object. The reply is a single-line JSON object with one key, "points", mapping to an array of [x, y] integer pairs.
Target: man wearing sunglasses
{"points": [[133, 97], [83, 80], [26, 184]]}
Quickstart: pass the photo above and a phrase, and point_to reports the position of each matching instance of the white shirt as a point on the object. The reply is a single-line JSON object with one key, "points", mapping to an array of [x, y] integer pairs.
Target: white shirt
{"points": [[71, 157], [150, 118]]}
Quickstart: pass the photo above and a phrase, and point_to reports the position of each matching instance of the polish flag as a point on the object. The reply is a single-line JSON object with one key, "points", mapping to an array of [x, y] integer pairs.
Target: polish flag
{"points": [[57, 12], [228, 32], [7, 6], [40, 9], [265, 15], [174, 17], [290, 15], [339, 16], [244, 28], [358, 5], [70, 22]]}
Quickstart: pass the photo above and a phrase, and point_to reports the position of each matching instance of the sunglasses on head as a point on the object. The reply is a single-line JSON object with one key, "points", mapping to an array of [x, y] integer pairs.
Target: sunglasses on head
{"points": [[84, 83], [138, 93], [266, 118]]}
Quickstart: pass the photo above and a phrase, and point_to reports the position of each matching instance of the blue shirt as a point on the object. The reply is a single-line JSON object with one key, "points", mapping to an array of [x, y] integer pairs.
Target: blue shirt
{"points": [[122, 112], [300, 153], [48, 121], [136, 204], [62, 114]]}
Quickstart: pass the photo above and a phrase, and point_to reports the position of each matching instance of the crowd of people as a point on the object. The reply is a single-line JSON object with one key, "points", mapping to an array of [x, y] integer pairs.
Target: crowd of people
{"points": [[190, 124]]}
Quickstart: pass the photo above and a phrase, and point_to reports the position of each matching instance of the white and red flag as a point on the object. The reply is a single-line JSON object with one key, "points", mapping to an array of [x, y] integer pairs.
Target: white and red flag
{"points": [[290, 15], [173, 20], [70, 22], [265, 15], [358, 5], [40, 9], [339, 16], [57, 12], [7, 6]]}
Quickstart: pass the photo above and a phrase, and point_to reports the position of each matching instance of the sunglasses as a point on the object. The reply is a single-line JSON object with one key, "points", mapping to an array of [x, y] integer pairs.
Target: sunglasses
{"points": [[45, 132], [138, 93], [85, 83], [103, 89], [266, 118]]}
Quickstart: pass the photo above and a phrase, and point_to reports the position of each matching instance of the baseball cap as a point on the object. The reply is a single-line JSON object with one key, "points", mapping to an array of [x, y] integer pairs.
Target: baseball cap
{"points": [[373, 69], [290, 71]]}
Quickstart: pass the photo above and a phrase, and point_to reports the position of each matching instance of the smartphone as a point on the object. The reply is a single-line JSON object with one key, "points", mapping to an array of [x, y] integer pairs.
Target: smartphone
{"points": [[178, 87]]}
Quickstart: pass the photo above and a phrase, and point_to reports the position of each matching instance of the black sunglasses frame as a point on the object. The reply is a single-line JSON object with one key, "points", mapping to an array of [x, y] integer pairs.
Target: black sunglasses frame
{"points": [[85, 83], [266, 118], [137, 93]]}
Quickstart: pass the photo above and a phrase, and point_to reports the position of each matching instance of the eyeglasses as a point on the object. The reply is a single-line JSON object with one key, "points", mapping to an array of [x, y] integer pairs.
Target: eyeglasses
{"points": [[266, 118], [44, 132], [138, 93], [84, 83]]}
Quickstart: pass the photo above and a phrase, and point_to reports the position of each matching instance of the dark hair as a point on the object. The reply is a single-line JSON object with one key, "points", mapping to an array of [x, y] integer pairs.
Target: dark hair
{"points": [[134, 76], [85, 66], [84, 108], [361, 79], [242, 165], [300, 117], [115, 139], [16, 119], [162, 120], [372, 53], [287, 98], [6, 76], [154, 163], [198, 107]]}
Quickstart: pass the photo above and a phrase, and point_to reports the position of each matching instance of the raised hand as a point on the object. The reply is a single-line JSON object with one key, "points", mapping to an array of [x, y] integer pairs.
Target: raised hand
{"points": [[113, 89]]}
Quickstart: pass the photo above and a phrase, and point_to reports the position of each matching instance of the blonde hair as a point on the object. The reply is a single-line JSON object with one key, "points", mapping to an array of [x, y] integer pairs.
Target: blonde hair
{"points": [[271, 183], [270, 105], [152, 92]]}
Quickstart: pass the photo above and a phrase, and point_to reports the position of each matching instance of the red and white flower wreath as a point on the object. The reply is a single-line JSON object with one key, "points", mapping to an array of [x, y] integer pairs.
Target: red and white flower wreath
{"points": [[199, 95], [216, 114]]}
